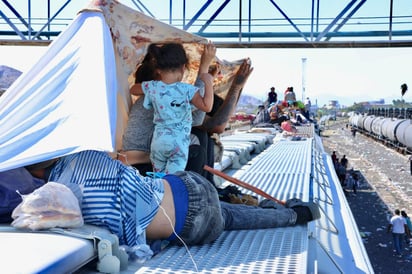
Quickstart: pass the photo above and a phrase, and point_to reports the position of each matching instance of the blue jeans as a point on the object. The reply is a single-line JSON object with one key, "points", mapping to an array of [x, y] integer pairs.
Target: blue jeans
{"points": [[397, 242], [207, 216], [240, 216]]}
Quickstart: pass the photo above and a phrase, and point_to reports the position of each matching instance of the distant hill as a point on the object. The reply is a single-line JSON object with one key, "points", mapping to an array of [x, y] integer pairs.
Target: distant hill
{"points": [[248, 104], [7, 76]]}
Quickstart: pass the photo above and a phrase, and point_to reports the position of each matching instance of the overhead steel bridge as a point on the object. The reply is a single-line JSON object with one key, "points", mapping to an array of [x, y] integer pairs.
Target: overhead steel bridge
{"points": [[234, 23]]}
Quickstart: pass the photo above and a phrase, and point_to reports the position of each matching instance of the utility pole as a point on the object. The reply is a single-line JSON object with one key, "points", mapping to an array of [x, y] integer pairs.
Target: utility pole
{"points": [[303, 78]]}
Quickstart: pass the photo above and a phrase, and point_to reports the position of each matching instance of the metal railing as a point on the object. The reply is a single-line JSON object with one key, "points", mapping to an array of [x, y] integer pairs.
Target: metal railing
{"points": [[231, 23]]}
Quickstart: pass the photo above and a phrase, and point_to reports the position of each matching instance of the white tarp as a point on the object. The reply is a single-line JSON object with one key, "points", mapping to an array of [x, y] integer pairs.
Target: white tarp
{"points": [[66, 102]]}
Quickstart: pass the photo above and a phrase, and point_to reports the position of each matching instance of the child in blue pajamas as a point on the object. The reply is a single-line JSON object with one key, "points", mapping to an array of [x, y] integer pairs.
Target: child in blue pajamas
{"points": [[173, 102]]}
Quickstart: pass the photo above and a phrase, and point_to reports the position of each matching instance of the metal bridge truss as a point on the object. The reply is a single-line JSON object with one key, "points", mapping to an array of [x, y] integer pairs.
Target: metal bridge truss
{"points": [[235, 23]]}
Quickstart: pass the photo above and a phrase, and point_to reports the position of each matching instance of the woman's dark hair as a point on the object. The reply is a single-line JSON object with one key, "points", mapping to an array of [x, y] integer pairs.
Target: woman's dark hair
{"points": [[168, 56], [146, 71]]}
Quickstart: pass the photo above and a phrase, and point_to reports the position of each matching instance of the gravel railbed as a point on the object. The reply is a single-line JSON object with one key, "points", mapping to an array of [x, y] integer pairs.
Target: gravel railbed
{"points": [[386, 184]]}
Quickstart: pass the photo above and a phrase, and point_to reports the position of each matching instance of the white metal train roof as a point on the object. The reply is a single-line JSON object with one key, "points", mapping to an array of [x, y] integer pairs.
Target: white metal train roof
{"points": [[288, 167]]}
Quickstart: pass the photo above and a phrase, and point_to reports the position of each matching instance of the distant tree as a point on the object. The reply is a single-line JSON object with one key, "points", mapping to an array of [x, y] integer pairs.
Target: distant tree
{"points": [[357, 108], [400, 103]]}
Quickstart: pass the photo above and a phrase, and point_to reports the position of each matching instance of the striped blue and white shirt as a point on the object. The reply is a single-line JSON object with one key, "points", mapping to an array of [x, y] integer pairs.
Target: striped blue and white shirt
{"points": [[111, 194]]}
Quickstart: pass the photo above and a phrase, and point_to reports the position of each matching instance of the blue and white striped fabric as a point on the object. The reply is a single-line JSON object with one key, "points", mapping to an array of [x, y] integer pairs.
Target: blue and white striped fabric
{"points": [[113, 195]]}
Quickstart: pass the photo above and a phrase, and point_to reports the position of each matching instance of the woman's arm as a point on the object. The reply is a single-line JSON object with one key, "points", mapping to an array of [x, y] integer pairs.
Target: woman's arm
{"points": [[217, 122], [136, 89]]}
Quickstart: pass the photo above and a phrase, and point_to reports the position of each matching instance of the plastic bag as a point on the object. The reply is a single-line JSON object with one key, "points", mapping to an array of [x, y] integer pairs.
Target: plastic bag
{"points": [[52, 205], [11, 181]]}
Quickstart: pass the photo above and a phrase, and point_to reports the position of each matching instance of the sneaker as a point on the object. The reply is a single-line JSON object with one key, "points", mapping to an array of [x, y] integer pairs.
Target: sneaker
{"points": [[305, 212], [294, 202]]}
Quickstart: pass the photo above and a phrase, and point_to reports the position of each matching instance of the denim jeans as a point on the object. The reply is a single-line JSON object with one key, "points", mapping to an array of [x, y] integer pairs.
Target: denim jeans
{"points": [[207, 216], [204, 221], [239, 216], [397, 242]]}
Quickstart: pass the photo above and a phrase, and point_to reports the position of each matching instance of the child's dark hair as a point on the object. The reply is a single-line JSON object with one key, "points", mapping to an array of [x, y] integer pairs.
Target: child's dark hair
{"points": [[168, 56]]}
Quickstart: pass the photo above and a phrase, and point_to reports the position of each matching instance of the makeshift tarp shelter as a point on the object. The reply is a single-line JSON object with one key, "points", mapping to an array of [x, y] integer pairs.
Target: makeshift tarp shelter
{"points": [[76, 97]]}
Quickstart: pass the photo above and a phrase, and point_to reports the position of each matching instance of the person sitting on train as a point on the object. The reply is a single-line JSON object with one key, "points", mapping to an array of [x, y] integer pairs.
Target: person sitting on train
{"points": [[299, 113], [289, 96], [262, 116], [278, 113]]}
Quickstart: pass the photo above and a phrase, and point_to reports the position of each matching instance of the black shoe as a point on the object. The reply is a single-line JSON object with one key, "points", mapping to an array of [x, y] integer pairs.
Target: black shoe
{"points": [[303, 215], [305, 212], [224, 193]]}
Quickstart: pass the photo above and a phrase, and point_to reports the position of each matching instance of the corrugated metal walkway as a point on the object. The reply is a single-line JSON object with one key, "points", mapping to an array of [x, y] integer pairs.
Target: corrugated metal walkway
{"points": [[280, 170], [290, 166], [280, 250]]}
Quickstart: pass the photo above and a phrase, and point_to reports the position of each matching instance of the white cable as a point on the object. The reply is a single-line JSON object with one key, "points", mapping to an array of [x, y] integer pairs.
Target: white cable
{"points": [[181, 240], [158, 200]]}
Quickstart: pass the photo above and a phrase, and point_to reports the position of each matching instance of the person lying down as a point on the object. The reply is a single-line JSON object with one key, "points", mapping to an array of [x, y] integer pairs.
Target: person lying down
{"points": [[183, 207]]}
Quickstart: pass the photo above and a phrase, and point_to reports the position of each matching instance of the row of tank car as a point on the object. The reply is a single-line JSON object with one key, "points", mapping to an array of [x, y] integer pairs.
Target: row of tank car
{"points": [[391, 126]]}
